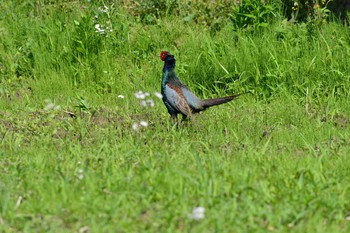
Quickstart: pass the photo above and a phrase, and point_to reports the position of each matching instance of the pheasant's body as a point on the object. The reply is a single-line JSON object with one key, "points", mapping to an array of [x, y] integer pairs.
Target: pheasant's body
{"points": [[177, 97]]}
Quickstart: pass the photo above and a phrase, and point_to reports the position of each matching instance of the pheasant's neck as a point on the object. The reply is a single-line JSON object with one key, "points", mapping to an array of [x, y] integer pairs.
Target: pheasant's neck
{"points": [[169, 65], [167, 76], [169, 72]]}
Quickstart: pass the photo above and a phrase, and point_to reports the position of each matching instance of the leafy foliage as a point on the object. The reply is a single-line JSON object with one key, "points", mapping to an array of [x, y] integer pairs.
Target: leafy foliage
{"points": [[316, 12], [256, 14], [212, 14]]}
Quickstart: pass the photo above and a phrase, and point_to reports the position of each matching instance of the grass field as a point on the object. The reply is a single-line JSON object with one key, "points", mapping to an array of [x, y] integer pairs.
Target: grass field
{"points": [[71, 161]]}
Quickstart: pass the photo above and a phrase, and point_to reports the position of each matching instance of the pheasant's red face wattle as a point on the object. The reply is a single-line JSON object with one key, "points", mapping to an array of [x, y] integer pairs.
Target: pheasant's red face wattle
{"points": [[163, 55]]}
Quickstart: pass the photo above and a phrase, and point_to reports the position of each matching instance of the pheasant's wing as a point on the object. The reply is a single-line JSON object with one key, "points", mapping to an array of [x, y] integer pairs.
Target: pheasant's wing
{"points": [[193, 101], [176, 99]]}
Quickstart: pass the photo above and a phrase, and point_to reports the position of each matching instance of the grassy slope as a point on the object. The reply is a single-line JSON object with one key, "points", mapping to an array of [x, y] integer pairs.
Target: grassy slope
{"points": [[269, 161]]}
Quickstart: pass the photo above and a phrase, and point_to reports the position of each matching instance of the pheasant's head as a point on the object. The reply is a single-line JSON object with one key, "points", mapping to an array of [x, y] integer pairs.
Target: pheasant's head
{"points": [[164, 54]]}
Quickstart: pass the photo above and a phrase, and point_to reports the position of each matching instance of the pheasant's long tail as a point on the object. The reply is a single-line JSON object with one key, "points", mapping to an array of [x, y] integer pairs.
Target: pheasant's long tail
{"points": [[217, 101]]}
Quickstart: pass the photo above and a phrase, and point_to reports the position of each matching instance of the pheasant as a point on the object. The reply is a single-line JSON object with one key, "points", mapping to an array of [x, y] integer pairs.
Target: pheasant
{"points": [[177, 97]]}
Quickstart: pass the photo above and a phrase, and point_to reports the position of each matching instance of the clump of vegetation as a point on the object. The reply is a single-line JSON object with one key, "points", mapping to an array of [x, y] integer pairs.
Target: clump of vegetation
{"points": [[255, 14], [210, 14], [318, 11]]}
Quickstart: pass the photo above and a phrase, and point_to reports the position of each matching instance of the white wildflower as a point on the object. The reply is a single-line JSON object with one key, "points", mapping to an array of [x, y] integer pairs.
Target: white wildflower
{"points": [[120, 96], [143, 123], [104, 9], [135, 126], [80, 174], [157, 94], [198, 213], [49, 106], [150, 102], [99, 29], [140, 95], [143, 103]]}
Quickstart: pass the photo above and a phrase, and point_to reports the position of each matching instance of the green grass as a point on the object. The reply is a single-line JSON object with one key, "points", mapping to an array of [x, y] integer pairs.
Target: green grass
{"points": [[272, 161]]}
